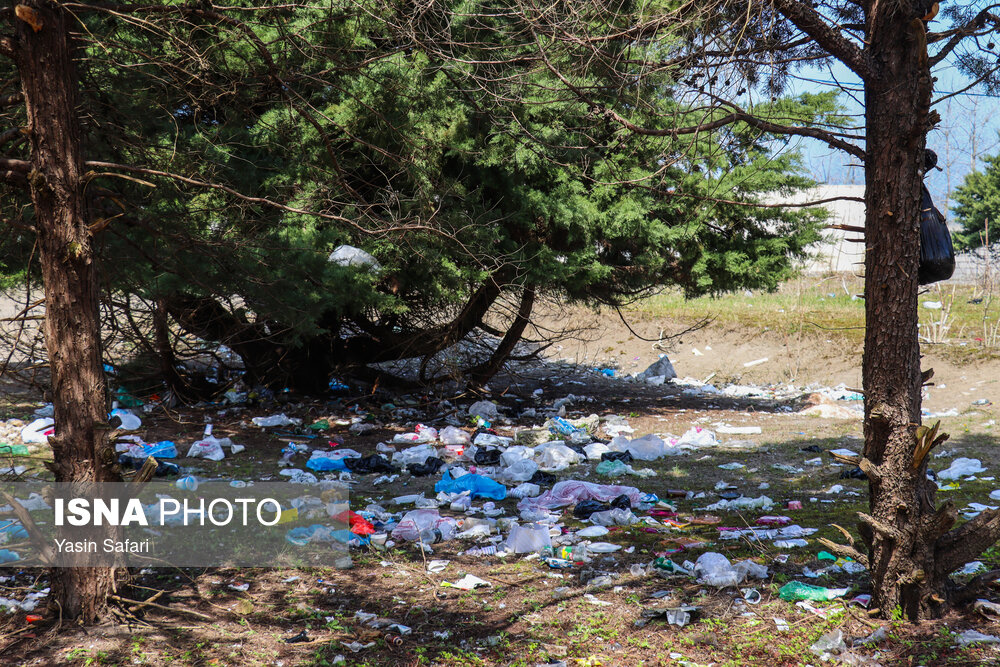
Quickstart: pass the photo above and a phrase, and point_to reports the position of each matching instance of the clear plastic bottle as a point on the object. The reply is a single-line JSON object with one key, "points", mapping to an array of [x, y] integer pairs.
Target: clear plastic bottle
{"points": [[577, 554]]}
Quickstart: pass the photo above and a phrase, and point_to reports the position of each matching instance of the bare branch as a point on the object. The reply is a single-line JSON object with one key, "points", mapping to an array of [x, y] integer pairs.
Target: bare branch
{"points": [[973, 27], [811, 22], [18, 166], [7, 47], [958, 547]]}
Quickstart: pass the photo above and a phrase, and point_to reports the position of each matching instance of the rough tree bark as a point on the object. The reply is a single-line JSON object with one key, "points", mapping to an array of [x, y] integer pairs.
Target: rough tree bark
{"points": [[42, 51], [902, 528]]}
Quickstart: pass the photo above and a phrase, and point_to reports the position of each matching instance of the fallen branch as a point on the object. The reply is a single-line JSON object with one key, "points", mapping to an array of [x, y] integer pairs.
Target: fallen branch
{"points": [[175, 610]]}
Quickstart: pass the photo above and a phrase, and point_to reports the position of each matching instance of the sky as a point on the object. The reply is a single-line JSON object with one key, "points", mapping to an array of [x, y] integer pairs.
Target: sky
{"points": [[969, 130]]}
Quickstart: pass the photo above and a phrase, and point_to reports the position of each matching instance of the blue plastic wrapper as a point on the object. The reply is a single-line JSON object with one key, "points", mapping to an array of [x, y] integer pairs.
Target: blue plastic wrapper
{"points": [[563, 426], [481, 487]]}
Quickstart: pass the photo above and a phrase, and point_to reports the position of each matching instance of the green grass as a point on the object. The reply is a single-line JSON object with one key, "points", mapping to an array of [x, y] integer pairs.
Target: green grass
{"points": [[832, 307]]}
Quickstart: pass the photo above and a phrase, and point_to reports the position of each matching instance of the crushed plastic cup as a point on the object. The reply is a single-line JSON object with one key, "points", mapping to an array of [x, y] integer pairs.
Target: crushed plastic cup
{"points": [[188, 483]]}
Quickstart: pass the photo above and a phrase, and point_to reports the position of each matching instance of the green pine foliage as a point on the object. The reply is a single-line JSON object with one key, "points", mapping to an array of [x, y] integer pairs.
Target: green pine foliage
{"points": [[977, 206], [450, 184]]}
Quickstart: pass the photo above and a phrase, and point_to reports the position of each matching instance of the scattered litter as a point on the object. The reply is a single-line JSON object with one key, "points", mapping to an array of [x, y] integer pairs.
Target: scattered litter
{"points": [[972, 637], [962, 467], [467, 583]]}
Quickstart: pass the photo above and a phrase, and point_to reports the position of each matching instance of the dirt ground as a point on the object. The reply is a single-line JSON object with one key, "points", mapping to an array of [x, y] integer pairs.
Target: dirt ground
{"points": [[531, 614]]}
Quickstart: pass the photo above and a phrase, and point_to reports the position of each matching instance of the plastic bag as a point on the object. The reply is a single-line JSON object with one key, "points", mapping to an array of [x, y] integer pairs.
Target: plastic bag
{"points": [[413, 522], [485, 409], [366, 465], [647, 448], [696, 438], [530, 538], [38, 431], [585, 508], [962, 467], [208, 448], [451, 435], [624, 457], [129, 421], [526, 490], [937, 255], [545, 478], [515, 454], [418, 454], [161, 450], [573, 491], [714, 569], [595, 450], [555, 456], [479, 486], [614, 517], [275, 420], [487, 457], [347, 255], [430, 466], [520, 471], [323, 461]]}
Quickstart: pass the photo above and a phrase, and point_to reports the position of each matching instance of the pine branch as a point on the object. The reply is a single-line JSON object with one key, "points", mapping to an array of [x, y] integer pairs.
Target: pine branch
{"points": [[739, 116]]}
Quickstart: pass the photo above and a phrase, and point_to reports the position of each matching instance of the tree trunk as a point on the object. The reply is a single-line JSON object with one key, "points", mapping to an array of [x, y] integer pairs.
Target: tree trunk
{"points": [[43, 54], [902, 529]]}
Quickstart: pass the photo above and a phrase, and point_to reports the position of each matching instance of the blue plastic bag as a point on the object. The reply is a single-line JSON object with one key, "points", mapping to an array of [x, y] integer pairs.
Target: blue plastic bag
{"points": [[481, 487], [324, 463], [161, 450]]}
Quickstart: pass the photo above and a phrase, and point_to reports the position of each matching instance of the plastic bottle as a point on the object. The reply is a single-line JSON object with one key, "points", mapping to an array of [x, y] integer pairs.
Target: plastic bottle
{"points": [[481, 551], [577, 554]]}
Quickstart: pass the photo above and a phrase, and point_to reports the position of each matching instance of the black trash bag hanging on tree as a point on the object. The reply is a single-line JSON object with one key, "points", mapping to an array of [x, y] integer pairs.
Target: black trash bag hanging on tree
{"points": [[937, 255]]}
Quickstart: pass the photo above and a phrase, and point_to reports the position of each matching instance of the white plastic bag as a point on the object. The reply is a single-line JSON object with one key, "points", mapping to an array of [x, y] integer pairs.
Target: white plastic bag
{"points": [[38, 431], [451, 435], [529, 538], [555, 456], [647, 448], [526, 490], [714, 569], [962, 468], [521, 471], [414, 455], [275, 420], [348, 255], [208, 448]]}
